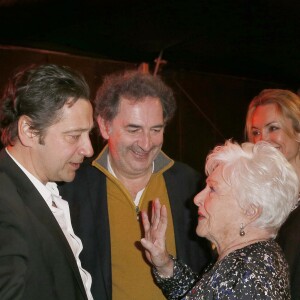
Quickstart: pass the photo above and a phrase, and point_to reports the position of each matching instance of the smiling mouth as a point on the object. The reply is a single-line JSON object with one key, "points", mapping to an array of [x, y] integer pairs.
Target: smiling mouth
{"points": [[141, 155]]}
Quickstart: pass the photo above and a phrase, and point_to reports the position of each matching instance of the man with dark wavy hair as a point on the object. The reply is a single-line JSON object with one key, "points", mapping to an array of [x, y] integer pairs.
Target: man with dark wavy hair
{"points": [[45, 120]]}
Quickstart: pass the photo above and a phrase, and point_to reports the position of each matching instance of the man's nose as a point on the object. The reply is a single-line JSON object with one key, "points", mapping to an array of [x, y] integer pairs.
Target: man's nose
{"points": [[87, 148], [145, 141]]}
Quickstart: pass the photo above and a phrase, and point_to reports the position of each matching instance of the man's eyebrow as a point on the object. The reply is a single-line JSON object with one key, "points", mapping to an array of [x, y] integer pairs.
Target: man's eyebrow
{"points": [[79, 130], [140, 126], [133, 125]]}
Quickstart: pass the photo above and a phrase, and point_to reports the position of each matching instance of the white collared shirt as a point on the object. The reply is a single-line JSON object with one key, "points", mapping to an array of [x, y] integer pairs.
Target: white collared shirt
{"points": [[61, 213]]}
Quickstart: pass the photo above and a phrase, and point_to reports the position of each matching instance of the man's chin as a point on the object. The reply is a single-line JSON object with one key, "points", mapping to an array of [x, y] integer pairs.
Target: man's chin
{"points": [[68, 177]]}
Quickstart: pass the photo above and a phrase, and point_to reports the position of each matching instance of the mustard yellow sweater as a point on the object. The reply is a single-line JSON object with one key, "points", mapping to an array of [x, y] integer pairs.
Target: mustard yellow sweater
{"points": [[131, 274]]}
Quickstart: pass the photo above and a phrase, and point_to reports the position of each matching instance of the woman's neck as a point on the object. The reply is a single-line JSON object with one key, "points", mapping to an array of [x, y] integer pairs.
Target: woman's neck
{"points": [[241, 242], [232, 248]]}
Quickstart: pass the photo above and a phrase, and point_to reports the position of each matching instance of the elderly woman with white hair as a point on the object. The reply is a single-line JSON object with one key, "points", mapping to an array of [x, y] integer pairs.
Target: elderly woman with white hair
{"points": [[250, 191]]}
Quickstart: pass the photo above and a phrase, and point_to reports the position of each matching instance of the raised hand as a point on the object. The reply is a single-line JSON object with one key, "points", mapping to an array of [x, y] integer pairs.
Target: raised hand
{"points": [[154, 241]]}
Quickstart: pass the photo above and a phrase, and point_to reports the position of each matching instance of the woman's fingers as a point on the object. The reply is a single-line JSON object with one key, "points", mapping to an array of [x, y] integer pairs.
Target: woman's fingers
{"points": [[163, 220], [154, 241], [145, 221], [156, 207], [156, 230]]}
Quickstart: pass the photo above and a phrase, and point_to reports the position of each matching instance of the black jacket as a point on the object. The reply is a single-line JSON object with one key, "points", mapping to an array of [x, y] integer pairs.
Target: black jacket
{"points": [[89, 213], [36, 261], [289, 240]]}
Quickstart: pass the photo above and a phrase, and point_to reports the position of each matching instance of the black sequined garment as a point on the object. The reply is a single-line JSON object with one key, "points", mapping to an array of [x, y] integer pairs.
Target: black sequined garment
{"points": [[257, 271]]}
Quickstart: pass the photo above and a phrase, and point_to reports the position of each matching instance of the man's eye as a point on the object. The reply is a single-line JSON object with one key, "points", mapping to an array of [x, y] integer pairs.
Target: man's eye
{"points": [[73, 138], [133, 130], [157, 130]]}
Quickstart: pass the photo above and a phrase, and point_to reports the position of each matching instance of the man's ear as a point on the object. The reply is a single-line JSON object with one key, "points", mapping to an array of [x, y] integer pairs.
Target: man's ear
{"points": [[27, 135], [104, 127]]}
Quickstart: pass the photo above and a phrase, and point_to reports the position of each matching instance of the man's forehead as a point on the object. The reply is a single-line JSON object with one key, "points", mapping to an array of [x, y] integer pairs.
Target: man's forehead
{"points": [[134, 100]]}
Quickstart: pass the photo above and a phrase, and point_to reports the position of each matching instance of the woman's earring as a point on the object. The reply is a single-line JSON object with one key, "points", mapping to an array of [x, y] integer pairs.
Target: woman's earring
{"points": [[242, 232]]}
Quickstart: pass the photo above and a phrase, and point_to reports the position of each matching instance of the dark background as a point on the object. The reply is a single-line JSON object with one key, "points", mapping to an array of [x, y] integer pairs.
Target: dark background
{"points": [[216, 55]]}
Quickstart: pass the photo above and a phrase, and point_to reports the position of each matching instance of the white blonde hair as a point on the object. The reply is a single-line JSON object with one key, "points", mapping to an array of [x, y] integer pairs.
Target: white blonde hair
{"points": [[259, 176]]}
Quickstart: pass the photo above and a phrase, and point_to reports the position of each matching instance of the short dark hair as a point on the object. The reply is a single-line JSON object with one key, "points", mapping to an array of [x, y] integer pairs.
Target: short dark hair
{"points": [[38, 92], [133, 85]]}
